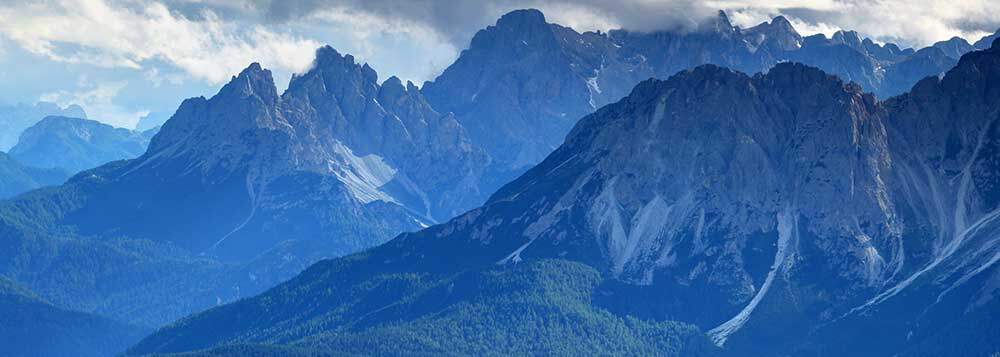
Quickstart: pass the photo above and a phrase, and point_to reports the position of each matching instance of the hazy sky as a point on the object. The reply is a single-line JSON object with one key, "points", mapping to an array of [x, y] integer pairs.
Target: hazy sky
{"points": [[122, 59]]}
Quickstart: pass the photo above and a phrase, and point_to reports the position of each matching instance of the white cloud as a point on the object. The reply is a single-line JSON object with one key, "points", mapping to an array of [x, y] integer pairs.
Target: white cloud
{"points": [[912, 22], [98, 101], [114, 35]]}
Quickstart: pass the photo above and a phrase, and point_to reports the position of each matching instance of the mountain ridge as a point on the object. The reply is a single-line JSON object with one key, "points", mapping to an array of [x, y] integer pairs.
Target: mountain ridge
{"points": [[76, 144]]}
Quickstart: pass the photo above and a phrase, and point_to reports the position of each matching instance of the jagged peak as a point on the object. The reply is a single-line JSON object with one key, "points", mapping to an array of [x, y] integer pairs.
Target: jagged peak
{"points": [[849, 37], [410, 87], [719, 23], [513, 29], [369, 72], [722, 18], [782, 22], [393, 81], [254, 80], [521, 18], [328, 60], [326, 54], [392, 88]]}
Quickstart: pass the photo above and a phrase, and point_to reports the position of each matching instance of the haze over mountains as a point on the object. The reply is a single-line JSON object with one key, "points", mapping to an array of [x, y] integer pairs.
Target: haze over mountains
{"points": [[705, 197], [76, 144], [14, 119], [53, 149], [17, 178]]}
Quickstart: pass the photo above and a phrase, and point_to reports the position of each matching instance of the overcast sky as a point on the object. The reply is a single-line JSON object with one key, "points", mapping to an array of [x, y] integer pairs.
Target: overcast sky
{"points": [[123, 59]]}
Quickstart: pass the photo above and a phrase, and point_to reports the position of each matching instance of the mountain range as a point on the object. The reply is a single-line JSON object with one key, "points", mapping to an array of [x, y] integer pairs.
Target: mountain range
{"points": [[786, 213], [245, 189], [523, 83]]}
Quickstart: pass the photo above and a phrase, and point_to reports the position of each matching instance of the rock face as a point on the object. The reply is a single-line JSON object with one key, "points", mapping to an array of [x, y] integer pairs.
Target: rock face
{"points": [[523, 83], [77, 144], [786, 213], [16, 178], [14, 119]]}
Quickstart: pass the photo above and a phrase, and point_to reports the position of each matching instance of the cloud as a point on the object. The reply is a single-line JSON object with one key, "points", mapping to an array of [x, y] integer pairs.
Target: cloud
{"points": [[914, 22], [127, 34], [98, 101], [911, 22], [210, 40]]}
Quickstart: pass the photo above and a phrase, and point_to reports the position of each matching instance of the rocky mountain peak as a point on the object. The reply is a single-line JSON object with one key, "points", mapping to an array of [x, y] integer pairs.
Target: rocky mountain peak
{"points": [[76, 144], [850, 38], [779, 33], [954, 47], [218, 133], [522, 19], [783, 23], [718, 24], [336, 74], [516, 31], [252, 81]]}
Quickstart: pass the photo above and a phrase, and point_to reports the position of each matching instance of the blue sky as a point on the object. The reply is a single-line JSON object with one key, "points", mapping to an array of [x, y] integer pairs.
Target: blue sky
{"points": [[123, 59]]}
